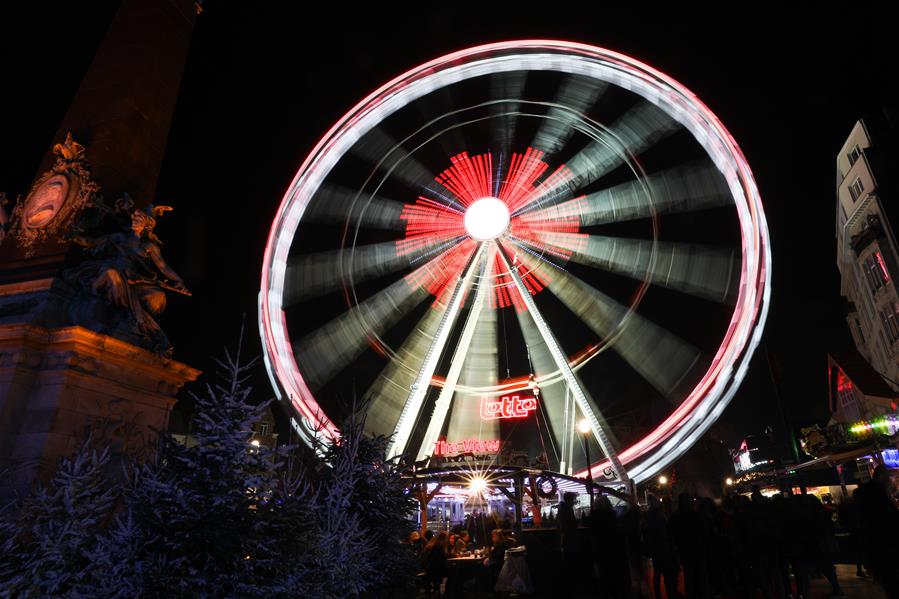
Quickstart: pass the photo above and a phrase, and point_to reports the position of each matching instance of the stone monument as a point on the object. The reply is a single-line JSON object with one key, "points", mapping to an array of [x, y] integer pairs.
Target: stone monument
{"points": [[82, 274]]}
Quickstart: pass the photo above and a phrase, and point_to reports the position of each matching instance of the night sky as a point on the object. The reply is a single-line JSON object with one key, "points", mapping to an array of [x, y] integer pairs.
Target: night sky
{"points": [[265, 81]]}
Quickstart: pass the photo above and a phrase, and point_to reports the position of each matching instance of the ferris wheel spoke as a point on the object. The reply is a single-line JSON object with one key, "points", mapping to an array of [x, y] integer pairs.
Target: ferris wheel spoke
{"points": [[473, 329], [557, 404], [699, 270], [632, 134], [579, 94], [600, 432], [329, 349], [505, 89], [660, 357], [479, 370], [687, 188], [418, 390], [313, 275], [382, 151], [343, 206], [332, 347], [636, 131], [386, 396]]}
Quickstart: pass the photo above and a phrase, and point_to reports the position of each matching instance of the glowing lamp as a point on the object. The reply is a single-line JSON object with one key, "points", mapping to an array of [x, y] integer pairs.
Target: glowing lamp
{"points": [[663, 480], [477, 486], [255, 442], [583, 426], [486, 219], [729, 482]]}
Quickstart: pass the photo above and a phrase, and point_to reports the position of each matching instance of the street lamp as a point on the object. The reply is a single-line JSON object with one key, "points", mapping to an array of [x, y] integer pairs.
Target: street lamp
{"points": [[729, 481], [584, 427], [663, 480]]}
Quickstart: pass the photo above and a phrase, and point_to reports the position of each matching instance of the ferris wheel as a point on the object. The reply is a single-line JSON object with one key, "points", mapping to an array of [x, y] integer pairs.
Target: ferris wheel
{"points": [[513, 239]]}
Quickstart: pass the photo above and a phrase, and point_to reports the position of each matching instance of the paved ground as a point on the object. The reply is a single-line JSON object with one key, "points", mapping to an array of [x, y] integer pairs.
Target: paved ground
{"points": [[853, 586]]}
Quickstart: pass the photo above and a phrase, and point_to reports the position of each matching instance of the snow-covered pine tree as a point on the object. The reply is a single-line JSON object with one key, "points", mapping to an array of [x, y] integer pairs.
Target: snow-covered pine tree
{"points": [[47, 549], [217, 517], [361, 514]]}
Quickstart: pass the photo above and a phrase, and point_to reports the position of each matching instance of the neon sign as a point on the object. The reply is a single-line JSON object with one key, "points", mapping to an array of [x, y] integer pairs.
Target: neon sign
{"points": [[507, 406], [468, 446]]}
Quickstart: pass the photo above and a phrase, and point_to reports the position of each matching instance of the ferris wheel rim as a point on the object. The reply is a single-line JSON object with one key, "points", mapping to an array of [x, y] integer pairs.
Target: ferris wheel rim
{"points": [[688, 420]]}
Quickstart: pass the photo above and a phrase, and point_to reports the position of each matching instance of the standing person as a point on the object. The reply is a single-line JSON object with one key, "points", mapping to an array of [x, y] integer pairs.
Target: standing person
{"points": [[824, 543], [610, 555], [568, 523], [495, 559], [689, 535], [434, 561], [568, 541], [879, 527], [849, 521], [415, 542], [660, 548]]}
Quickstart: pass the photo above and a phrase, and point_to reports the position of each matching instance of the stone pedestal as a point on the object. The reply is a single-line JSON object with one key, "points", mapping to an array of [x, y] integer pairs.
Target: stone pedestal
{"points": [[57, 385]]}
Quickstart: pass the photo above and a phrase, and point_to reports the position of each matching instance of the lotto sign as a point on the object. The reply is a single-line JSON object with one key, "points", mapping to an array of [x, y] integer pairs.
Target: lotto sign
{"points": [[507, 406]]}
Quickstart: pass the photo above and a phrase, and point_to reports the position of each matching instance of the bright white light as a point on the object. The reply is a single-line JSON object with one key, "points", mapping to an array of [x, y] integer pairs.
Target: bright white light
{"points": [[663, 480], [486, 219], [729, 482], [255, 442], [477, 486], [583, 425]]}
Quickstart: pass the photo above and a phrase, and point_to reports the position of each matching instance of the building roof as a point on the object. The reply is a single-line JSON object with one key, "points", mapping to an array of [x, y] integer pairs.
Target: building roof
{"points": [[862, 374]]}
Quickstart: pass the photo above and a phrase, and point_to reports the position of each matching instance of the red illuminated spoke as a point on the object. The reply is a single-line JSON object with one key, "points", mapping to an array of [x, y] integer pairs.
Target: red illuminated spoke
{"points": [[470, 179]]}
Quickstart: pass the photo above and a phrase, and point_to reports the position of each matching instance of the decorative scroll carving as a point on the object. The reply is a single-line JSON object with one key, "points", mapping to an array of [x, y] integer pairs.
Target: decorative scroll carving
{"points": [[56, 199]]}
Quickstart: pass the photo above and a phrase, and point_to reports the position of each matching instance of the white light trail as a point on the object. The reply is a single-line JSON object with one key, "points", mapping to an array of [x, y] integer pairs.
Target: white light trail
{"points": [[442, 405], [422, 382], [561, 360]]}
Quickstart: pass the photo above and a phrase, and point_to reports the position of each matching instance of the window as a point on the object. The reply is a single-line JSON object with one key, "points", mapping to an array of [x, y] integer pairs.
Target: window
{"points": [[854, 154], [884, 273], [890, 321], [844, 390], [263, 428], [847, 398], [876, 273], [856, 188]]}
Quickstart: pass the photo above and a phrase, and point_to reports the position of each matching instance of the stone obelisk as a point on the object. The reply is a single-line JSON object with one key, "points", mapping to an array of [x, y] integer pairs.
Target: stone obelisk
{"points": [[78, 352]]}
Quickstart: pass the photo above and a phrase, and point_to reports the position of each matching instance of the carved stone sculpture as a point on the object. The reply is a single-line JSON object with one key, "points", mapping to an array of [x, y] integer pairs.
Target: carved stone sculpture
{"points": [[125, 268], [56, 199]]}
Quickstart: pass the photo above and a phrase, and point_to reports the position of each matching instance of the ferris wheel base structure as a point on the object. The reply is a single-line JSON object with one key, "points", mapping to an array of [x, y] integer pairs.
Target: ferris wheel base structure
{"points": [[501, 229]]}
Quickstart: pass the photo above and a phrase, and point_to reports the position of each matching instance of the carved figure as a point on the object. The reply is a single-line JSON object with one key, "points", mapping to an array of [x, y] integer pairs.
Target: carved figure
{"points": [[127, 269]]}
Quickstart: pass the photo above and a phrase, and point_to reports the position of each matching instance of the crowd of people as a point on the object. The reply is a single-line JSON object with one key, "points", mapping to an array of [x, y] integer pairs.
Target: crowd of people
{"points": [[436, 551], [697, 547], [739, 546]]}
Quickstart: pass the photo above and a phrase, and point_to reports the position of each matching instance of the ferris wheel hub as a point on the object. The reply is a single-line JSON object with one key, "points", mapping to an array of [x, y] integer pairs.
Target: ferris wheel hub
{"points": [[486, 219]]}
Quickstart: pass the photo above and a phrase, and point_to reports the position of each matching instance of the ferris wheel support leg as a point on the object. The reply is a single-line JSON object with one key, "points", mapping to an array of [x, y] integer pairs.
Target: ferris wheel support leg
{"points": [[419, 388], [562, 362], [441, 407]]}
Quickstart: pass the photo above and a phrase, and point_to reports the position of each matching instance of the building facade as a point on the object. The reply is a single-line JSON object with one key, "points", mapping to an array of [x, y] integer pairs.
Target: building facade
{"points": [[867, 255]]}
